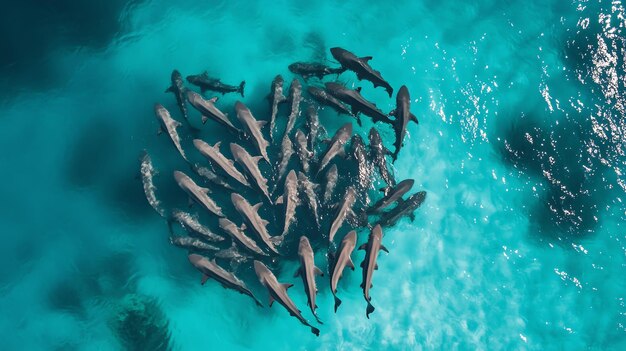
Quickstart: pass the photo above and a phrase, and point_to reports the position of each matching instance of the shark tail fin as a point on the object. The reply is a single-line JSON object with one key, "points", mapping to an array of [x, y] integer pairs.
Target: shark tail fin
{"points": [[242, 85], [337, 303], [369, 310], [315, 331], [385, 189], [318, 319]]}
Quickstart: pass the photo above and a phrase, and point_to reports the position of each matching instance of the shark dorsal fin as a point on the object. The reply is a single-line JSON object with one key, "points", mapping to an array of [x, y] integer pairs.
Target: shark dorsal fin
{"points": [[257, 158], [382, 247], [354, 110], [243, 226], [271, 301], [213, 99], [366, 58], [217, 145], [286, 286], [318, 271], [261, 123], [363, 247], [358, 89], [297, 273], [257, 206], [205, 74], [279, 200]]}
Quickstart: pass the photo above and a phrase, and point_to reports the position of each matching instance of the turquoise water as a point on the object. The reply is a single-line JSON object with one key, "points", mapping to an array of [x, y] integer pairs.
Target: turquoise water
{"points": [[520, 146]]}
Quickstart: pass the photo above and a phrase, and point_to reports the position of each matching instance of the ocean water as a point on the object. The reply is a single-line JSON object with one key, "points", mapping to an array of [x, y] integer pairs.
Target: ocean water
{"points": [[520, 244]]}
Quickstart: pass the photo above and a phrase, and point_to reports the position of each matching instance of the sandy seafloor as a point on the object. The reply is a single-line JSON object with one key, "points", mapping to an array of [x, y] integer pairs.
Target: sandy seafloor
{"points": [[520, 244]]}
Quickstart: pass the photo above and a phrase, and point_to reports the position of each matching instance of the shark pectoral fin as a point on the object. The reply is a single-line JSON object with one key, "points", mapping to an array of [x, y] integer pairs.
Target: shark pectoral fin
{"points": [[326, 141], [351, 216], [375, 268], [213, 99], [412, 217], [243, 226], [271, 301], [414, 119], [261, 123], [204, 119], [318, 271], [286, 286], [190, 202], [342, 154], [354, 110], [204, 279], [170, 89], [297, 273], [279, 200], [205, 190], [382, 247], [363, 247], [366, 58], [350, 264], [386, 151], [159, 131]]}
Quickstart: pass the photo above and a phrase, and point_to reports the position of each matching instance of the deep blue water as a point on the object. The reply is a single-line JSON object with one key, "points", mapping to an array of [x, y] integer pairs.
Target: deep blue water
{"points": [[521, 148]]}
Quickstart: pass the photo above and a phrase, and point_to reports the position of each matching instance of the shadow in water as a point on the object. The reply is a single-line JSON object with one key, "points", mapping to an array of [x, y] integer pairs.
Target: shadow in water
{"points": [[554, 157], [51, 26]]}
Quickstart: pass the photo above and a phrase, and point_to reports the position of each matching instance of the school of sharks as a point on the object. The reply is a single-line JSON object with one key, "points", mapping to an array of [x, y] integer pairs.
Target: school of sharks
{"points": [[294, 200]]}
